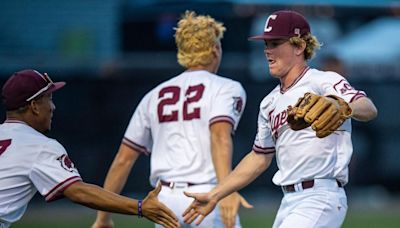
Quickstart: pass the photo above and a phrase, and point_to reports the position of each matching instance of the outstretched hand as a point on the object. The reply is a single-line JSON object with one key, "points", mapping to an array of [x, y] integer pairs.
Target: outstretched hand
{"points": [[201, 206], [229, 207], [157, 212]]}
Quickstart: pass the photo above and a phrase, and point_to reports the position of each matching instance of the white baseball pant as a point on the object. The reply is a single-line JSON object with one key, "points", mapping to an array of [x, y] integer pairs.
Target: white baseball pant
{"points": [[178, 202], [322, 206]]}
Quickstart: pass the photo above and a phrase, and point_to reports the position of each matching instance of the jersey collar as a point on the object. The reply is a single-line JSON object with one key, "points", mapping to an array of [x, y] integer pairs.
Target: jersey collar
{"points": [[297, 79], [13, 120]]}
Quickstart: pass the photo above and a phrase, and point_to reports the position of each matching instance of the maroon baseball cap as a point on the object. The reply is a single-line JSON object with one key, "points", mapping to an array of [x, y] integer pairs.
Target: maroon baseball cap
{"points": [[284, 24], [26, 85]]}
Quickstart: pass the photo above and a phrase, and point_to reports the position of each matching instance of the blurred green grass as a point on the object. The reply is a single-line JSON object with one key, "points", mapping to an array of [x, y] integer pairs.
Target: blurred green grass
{"points": [[67, 218]]}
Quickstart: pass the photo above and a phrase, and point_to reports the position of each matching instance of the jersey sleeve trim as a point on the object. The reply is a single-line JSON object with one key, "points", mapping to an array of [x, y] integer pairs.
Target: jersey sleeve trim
{"points": [[222, 119], [135, 146], [357, 96], [263, 150], [57, 192]]}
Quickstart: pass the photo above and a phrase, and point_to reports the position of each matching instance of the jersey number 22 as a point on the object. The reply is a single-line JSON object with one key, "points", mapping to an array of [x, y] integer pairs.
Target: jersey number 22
{"points": [[192, 94]]}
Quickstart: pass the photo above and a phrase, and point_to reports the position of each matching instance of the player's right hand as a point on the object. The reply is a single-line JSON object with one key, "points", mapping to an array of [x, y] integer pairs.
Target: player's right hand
{"points": [[201, 206], [157, 212]]}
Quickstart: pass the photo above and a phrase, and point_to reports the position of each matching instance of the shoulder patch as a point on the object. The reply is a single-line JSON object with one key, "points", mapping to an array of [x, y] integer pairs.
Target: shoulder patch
{"points": [[237, 105], [66, 163], [344, 88]]}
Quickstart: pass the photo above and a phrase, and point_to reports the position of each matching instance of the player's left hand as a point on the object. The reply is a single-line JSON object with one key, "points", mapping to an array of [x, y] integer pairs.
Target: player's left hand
{"points": [[325, 114], [229, 207]]}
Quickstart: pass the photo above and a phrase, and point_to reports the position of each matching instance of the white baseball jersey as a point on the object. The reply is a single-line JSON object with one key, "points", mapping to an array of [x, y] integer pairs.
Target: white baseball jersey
{"points": [[30, 162], [172, 123], [300, 155]]}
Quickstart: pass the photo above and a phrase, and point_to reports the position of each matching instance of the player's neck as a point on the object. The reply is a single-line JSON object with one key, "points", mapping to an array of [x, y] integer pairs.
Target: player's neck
{"points": [[199, 69], [25, 117], [14, 116], [292, 76], [212, 68]]}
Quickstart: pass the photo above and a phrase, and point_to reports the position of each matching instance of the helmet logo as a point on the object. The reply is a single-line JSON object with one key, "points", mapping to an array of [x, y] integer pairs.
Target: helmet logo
{"points": [[269, 28]]}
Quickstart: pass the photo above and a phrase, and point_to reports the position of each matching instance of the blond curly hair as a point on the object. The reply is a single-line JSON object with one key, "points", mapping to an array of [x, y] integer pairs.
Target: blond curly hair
{"points": [[312, 44], [195, 38]]}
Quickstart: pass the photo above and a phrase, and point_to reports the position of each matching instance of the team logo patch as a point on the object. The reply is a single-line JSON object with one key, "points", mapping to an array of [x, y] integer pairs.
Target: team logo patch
{"points": [[344, 88], [237, 105], [66, 163]]}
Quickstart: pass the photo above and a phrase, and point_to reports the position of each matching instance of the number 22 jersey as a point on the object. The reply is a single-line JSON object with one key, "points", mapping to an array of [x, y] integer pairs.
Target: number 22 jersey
{"points": [[172, 123]]}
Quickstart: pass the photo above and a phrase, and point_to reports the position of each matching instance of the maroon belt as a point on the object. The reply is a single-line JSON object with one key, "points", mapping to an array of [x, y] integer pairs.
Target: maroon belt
{"points": [[305, 185], [172, 184]]}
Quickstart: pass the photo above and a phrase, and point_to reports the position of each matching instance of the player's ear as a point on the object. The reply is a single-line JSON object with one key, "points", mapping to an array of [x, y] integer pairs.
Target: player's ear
{"points": [[34, 106], [214, 51], [300, 48], [217, 49]]}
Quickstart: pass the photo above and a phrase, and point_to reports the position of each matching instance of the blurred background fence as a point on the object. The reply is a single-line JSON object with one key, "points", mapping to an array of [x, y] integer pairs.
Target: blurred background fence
{"points": [[112, 52]]}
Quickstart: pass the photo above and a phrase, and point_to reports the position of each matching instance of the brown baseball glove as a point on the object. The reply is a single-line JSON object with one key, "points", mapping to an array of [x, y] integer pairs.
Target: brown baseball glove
{"points": [[324, 114]]}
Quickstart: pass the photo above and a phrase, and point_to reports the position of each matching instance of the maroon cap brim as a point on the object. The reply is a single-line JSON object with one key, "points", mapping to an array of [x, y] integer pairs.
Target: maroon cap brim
{"points": [[56, 86], [266, 37]]}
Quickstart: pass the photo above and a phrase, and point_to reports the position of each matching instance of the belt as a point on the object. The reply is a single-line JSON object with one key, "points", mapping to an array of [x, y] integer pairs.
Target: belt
{"points": [[174, 184], [304, 185]]}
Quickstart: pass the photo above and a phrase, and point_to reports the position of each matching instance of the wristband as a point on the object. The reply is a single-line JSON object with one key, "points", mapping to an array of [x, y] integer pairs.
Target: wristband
{"points": [[140, 214]]}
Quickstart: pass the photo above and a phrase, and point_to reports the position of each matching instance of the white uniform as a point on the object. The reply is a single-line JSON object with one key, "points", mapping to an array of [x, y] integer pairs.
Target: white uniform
{"points": [[30, 162], [172, 124], [301, 156]]}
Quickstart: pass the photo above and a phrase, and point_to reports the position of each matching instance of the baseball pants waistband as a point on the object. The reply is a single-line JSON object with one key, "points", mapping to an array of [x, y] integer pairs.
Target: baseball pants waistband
{"points": [[310, 184], [179, 184]]}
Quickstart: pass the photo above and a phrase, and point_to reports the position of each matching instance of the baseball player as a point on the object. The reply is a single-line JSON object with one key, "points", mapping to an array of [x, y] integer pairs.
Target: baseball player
{"points": [[31, 162], [306, 122], [186, 125]]}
